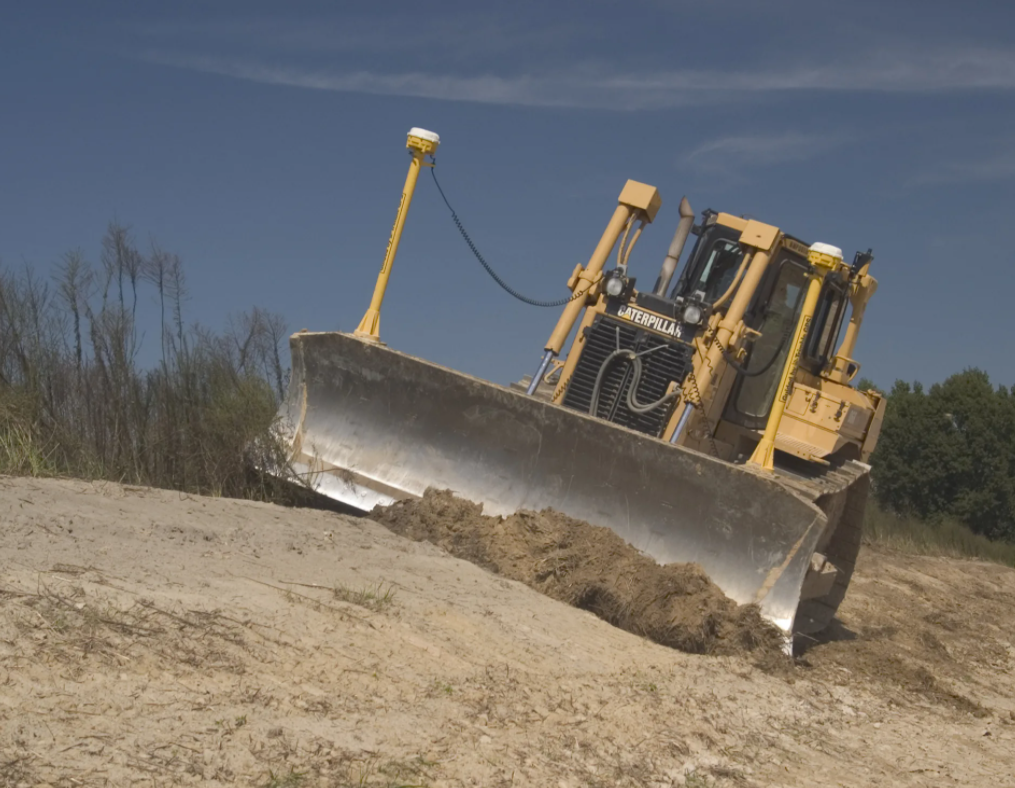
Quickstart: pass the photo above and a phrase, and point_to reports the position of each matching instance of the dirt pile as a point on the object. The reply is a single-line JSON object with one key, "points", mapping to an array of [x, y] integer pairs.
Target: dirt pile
{"points": [[592, 568]]}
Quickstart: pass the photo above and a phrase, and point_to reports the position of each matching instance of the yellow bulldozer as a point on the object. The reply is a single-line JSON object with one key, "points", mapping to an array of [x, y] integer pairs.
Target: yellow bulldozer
{"points": [[708, 419]]}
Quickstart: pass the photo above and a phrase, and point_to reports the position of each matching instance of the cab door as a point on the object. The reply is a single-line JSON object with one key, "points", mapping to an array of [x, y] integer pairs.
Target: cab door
{"points": [[774, 315]]}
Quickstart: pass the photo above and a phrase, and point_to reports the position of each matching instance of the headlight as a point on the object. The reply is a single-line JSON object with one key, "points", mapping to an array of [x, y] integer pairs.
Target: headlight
{"points": [[692, 314], [614, 286]]}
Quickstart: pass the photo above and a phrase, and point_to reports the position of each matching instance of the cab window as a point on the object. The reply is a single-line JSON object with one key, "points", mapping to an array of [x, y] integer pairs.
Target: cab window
{"points": [[824, 334], [775, 317], [714, 268]]}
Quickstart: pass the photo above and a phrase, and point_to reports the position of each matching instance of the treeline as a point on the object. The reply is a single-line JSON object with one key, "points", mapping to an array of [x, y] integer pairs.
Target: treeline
{"points": [[76, 400], [949, 453]]}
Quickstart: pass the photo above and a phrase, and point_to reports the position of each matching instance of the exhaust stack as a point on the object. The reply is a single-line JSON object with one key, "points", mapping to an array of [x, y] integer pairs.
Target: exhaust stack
{"points": [[676, 248]]}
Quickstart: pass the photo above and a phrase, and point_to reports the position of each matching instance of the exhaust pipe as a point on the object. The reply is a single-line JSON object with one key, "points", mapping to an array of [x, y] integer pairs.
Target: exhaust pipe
{"points": [[676, 248]]}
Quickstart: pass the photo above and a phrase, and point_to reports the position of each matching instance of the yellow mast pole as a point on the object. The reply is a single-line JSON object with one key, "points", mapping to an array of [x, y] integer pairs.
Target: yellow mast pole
{"points": [[420, 143], [825, 258]]}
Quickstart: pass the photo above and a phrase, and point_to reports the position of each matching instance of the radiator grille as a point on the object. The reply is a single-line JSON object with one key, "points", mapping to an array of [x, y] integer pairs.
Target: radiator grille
{"points": [[658, 369]]}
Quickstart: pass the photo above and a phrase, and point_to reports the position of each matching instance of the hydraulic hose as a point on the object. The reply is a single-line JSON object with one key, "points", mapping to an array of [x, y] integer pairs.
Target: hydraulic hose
{"points": [[742, 370], [632, 390]]}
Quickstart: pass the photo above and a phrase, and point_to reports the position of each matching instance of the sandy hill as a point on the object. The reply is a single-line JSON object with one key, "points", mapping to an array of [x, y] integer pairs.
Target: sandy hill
{"points": [[153, 638]]}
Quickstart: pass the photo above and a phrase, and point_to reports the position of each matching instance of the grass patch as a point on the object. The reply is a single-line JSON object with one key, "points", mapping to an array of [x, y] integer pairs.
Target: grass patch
{"points": [[21, 454], [696, 779], [14, 767], [941, 537], [290, 779], [377, 598], [414, 773], [439, 687], [76, 629], [345, 769]]}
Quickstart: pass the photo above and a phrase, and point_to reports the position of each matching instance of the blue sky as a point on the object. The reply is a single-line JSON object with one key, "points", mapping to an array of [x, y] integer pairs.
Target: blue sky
{"points": [[264, 143]]}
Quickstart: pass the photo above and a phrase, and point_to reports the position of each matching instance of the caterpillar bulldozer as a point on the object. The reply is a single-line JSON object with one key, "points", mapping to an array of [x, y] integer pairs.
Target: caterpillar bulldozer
{"points": [[707, 419]]}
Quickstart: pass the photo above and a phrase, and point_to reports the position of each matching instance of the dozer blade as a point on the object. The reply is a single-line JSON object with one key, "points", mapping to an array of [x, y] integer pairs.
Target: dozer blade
{"points": [[371, 425]]}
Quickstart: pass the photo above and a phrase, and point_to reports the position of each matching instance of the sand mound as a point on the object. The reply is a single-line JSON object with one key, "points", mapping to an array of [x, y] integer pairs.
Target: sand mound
{"points": [[592, 568], [148, 637]]}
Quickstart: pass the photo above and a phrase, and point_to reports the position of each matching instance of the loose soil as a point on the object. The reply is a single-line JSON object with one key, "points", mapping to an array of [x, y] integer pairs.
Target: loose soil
{"points": [[152, 638], [591, 568]]}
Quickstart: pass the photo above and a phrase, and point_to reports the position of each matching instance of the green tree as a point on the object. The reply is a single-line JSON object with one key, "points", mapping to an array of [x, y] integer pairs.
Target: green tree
{"points": [[983, 483], [866, 384], [950, 451]]}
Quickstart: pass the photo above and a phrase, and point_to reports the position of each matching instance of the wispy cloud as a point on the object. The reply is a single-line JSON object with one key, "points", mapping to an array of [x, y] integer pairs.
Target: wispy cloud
{"points": [[606, 88], [759, 150], [996, 167], [446, 37], [489, 89]]}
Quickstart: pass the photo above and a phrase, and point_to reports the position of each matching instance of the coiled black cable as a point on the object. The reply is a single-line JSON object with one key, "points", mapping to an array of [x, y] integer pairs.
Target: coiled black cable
{"points": [[493, 274]]}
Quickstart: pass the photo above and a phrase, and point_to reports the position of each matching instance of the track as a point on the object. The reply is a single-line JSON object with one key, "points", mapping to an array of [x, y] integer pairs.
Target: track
{"points": [[840, 491]]}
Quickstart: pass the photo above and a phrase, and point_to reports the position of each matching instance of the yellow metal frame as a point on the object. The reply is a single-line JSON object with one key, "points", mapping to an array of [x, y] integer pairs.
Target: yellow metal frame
{"points": [[761, 241], [370, 326], [636, 200], [823, 264]]}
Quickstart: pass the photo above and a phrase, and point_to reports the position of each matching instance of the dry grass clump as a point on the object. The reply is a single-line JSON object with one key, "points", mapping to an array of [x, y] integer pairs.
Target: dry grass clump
{"points": [[941, 537], [335, 767], [377, 598], [67, 625], [76, 399]]}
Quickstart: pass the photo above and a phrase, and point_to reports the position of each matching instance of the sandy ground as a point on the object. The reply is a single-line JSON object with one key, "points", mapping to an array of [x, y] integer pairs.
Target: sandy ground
{"points": [[150, 638]]}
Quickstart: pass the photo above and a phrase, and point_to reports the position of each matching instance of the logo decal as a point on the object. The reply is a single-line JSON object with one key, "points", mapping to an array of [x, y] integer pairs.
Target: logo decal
{"points": [[650, 321]]}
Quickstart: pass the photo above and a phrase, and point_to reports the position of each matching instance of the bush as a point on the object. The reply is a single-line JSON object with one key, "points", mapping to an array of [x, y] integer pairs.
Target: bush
{"points": [[75, 401]]}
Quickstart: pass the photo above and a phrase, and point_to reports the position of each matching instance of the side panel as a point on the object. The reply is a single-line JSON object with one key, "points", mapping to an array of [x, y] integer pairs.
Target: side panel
{"points": [[383, 425]]}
